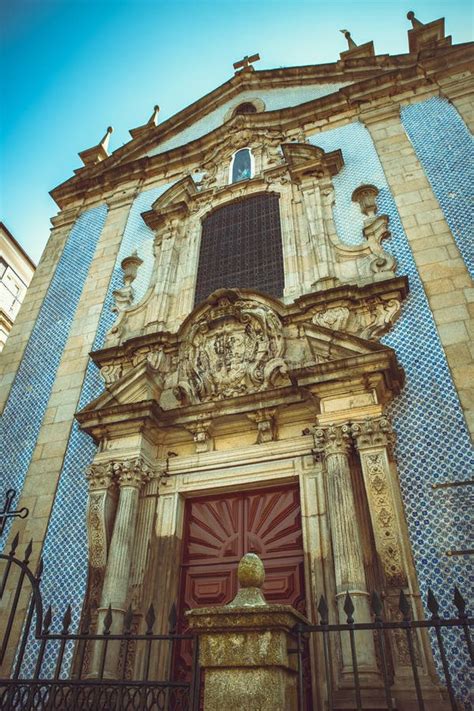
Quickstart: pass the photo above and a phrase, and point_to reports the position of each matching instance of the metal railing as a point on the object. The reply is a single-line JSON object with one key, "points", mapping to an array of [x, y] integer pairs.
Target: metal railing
{"points": [[71, 670], [381, 628]]}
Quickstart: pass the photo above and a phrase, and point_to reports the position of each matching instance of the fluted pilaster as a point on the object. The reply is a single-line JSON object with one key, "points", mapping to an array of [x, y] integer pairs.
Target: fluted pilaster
{"points": [[333, 443]]}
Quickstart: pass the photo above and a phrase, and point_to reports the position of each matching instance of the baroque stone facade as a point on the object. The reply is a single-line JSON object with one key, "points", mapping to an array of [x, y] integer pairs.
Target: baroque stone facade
{"points": [[246, 392]]}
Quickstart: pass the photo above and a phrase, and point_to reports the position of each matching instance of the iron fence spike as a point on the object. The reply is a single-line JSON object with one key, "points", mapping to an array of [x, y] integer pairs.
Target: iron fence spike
{"points": [[172, 619], [150, 619], [432, 603], [14, 544], [86, 622], [28, 550], [127, 621], [459, 601], [39, 569], [48, 618], [349, 608], [377, 606], [108, 620], [67, 617], [404, 605], [323, 610]]}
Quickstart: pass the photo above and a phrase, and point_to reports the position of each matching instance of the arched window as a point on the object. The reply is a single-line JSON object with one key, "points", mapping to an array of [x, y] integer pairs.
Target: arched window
{"points": [[241, 248], [246, 108], [241, 165]]}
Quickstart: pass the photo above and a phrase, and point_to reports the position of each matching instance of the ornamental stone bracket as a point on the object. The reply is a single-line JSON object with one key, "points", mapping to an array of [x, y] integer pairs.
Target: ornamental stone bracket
{"points": [[201, 431], [267, 427]]}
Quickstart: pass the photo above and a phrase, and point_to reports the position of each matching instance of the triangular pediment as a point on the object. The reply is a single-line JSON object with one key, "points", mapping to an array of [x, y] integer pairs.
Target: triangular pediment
{"points": [[329, 345], [140, 383]]}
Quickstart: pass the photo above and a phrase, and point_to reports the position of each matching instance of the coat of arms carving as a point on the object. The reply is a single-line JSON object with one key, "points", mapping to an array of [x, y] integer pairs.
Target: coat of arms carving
{"points": [[234, 348]]}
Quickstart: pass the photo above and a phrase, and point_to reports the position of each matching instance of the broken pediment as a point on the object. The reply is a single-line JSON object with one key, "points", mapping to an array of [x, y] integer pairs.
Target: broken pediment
{"points": [[239, 342], [141, 382]]}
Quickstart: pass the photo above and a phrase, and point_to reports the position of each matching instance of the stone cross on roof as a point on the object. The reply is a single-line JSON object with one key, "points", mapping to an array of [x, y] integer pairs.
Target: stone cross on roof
{"points": [[245, 64]]}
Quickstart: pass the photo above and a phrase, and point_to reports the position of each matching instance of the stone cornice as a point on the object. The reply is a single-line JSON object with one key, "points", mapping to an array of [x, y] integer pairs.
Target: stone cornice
{"points": [[346, 296], [401, 75]]}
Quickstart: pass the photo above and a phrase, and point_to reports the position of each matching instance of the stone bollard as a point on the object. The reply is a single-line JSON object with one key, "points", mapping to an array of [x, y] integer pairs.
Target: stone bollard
{"points": [[244, 648]]}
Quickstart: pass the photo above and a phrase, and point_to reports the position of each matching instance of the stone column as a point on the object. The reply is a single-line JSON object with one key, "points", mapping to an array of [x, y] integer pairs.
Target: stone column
{"points": [[334, 443], [244, 648], [374, 440], [130, 475]]}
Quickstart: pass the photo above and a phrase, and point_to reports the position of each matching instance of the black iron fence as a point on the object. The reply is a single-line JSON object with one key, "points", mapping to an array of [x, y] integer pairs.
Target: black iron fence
{"points": [[405, 628], [89, 669]]}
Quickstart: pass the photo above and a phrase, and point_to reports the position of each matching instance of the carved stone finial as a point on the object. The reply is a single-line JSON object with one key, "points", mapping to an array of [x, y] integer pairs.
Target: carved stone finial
{"points": [[415, 23], [99, 152], [153, 120], [251, 576], [366, 196], [350, 42]]}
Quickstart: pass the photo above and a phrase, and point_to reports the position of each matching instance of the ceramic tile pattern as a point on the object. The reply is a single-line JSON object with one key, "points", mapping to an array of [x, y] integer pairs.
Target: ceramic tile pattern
{"points": [[273, 99], [433, 442], [29, 395], [445, 148], [65, 548]]}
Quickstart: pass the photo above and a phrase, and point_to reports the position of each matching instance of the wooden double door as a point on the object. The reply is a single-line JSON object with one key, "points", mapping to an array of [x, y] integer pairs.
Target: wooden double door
{"points": [[219, 530]]}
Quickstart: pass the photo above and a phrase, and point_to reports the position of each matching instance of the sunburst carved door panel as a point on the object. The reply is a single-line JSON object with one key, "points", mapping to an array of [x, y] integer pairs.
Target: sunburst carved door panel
{"points": [[219, 530]]}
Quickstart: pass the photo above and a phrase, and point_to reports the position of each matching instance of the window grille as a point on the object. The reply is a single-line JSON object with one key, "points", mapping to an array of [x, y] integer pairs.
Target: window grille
{"points": [[241, 248]]}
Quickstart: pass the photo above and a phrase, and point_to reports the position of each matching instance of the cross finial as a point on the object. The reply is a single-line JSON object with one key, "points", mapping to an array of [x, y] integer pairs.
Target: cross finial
{"points": [[8, 512], [245, 64]]}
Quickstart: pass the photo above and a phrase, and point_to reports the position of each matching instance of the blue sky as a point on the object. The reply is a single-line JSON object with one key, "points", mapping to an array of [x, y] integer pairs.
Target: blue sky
{"points": [[70, 68]]}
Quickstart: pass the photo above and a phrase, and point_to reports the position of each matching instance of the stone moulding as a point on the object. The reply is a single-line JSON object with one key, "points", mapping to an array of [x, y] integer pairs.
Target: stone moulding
{"points": [[241, 353], [376, 78]]}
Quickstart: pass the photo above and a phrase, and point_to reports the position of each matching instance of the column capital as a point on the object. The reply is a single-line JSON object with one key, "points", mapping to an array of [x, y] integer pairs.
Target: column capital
{"points": [[100, 476], [373, 433], [132, 473], [333, 439]]}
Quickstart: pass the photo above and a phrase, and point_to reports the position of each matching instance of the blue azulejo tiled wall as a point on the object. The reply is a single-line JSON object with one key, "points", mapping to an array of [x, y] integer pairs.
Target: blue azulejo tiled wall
{"points": [[65, 547], [444, 147], [433, 444], [30, 391]]}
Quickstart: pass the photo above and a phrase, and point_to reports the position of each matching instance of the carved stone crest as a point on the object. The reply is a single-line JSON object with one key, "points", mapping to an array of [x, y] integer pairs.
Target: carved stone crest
{"points": [[234, 348]]}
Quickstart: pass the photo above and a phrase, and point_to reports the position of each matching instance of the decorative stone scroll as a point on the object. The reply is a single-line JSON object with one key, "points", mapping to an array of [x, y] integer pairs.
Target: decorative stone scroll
{"points": [[235, 348]]}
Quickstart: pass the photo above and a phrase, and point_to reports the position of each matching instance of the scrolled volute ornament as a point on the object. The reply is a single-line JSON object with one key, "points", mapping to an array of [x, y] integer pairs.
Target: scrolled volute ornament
{"points": [[333, 439], [373, 433], [100, 476], [133, 472]]}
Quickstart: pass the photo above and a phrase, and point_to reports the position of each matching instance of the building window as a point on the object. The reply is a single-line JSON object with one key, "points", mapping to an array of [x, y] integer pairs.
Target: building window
{"points": [[246, 108], [241, 165], [241, 248], [3, 267]]}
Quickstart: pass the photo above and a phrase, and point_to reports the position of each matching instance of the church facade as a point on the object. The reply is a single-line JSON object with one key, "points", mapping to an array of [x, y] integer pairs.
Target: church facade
{"points": [[249, 332]]}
